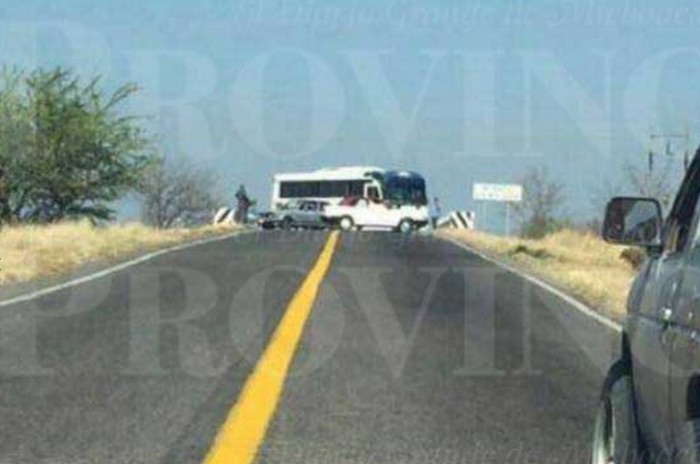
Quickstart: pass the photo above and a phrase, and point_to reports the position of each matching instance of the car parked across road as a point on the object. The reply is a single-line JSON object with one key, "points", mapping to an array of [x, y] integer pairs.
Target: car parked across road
{"points": [[268, 220], [650, 405], [365, 213], [305, 214]]}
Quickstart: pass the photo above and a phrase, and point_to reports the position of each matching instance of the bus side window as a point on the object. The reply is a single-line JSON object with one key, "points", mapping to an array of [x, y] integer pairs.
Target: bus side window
{"points": [[356, 188]]}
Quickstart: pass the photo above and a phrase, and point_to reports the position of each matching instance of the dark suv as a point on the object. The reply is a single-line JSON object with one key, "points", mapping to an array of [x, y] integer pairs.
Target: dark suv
{"points": [[650, 405]]}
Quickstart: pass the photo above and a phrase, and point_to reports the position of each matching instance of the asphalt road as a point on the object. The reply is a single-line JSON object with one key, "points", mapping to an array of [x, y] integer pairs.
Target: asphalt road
{"points": [[415, 351]]}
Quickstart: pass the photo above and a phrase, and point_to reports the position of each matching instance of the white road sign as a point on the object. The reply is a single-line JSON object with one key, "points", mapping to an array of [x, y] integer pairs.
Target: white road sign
{"points": [[498, 192]]}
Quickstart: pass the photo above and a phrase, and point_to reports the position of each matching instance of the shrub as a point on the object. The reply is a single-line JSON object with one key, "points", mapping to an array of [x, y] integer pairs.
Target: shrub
{"points": [[633, 256]]}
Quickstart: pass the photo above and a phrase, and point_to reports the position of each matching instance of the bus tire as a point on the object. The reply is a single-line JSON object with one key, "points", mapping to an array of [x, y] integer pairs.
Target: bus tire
{"points": [[405, 226], [346, 223]]}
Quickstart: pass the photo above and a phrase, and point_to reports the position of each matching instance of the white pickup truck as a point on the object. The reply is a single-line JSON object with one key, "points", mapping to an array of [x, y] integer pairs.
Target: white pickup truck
{"points": [[367, 214]]}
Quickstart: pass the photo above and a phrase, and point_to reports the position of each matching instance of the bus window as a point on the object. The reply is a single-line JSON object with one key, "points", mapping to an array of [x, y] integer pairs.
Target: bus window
{"points": [[332, 189], [357, 188], [373, 193], [299, 189], [406, 190]]}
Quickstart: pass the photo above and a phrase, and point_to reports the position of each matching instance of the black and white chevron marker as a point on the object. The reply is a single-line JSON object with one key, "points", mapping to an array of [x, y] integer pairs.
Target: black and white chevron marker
{"points": [[457, 220], [224, 216]]}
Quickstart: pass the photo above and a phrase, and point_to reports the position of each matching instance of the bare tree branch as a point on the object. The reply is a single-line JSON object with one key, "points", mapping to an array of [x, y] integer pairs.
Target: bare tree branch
{"points": [[542, 198], [656, 184], [175, 192]]}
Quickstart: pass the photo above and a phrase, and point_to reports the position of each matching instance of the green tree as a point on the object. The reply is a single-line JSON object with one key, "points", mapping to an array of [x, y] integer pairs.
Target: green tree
{"points": [[67, 150], [15, 146]]}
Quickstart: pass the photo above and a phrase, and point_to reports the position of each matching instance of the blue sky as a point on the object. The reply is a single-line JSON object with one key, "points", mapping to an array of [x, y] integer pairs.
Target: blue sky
{"points": [[460, 91]]}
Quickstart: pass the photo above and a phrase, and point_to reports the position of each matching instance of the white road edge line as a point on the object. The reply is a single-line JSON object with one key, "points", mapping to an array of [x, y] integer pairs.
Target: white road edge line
{"points": [[114, 269], [571, 301]]}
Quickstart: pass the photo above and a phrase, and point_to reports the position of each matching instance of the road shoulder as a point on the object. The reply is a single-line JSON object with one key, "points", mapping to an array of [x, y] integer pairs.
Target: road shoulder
{"points": [[606, 318], [13, 293]]}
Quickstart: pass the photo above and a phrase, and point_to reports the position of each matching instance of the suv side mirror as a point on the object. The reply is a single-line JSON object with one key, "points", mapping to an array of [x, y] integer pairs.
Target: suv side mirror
{"points": [[633, 221]]}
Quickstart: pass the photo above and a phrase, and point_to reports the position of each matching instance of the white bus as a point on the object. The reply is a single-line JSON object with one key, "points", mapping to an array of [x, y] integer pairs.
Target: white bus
{"points": [[329, 185], [358, 196]]}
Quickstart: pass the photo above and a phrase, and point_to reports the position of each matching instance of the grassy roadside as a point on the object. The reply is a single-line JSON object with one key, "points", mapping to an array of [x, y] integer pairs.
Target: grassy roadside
{"points": [[33, 252], [578, 263]]}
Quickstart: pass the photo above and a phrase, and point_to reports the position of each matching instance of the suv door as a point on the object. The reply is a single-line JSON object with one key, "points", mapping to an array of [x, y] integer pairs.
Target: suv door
{"points": [[685, 364], [685, 358], [311, 216], [301, 214], [651, 325]]}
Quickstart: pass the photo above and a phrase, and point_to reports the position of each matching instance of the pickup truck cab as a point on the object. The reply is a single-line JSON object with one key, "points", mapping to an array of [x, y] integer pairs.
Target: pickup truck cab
{"points": [[650, 404], [365, 213]]}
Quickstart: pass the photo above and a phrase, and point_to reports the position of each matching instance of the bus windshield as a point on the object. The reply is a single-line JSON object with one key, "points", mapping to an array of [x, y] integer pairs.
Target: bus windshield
{"points": [[405, 189]]}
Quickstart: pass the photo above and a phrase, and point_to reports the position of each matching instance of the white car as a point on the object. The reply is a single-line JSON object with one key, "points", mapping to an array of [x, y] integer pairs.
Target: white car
{"points": [[364, 213]]}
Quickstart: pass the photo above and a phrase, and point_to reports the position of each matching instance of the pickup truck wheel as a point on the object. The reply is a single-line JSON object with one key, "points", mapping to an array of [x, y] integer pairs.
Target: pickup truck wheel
{"points": [[405, 226], [287, 223], [346, 223], [615, 437]]}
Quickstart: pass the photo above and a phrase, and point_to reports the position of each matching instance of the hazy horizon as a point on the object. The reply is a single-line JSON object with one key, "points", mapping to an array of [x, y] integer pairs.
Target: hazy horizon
{"points": [[461, 92]]}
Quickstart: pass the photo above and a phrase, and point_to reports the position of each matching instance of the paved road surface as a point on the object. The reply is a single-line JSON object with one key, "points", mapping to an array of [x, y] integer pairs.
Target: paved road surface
{"points": [[416, 351]]}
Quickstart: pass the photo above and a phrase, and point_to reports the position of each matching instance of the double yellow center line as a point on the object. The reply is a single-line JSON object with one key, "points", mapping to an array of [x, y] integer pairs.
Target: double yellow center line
{"points": [[243, 431]]}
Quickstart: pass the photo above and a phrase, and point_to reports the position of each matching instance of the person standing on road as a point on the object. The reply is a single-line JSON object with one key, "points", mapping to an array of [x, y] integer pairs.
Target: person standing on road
{"points": [[241, 214]]}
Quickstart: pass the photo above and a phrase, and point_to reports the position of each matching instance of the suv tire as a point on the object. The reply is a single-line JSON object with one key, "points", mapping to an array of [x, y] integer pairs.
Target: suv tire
{"points": [[616, 438]]}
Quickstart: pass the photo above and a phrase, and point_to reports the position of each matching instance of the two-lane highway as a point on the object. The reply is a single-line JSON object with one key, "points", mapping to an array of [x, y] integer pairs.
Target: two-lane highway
{"points": [[413, 350]]}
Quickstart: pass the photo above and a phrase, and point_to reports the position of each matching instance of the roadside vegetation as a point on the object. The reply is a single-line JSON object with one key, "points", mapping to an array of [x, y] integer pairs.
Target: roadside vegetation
{"points": [[45, 251], [69, 153], [577, 262], [540, 209], [177, 193], [568, 255], [66, 150]]}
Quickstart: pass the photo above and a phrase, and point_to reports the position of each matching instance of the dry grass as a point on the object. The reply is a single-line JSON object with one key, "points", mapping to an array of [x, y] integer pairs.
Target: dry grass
{"points": [[579, 263], [30, 252]]}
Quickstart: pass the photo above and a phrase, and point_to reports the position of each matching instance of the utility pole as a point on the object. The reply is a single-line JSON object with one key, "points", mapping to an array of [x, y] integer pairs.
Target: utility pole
{"points": [[507, 219], [482, 220], [684, 136]]}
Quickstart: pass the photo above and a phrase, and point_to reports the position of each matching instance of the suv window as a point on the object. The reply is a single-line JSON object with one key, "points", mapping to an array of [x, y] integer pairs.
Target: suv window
{"points": [[679, 222]]}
